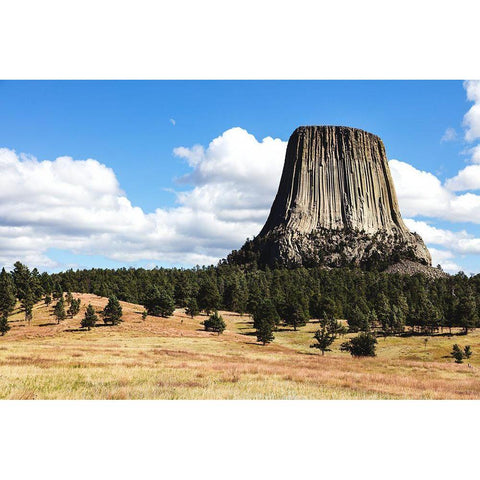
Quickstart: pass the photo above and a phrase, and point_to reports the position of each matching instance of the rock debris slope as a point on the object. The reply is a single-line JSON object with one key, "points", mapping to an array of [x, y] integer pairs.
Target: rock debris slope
{"points": [[336, 206]]}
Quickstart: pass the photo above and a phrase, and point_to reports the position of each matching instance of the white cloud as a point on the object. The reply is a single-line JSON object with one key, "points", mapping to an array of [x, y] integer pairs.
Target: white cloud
{"points": [[172, 121], [471, 120], [77, 205], [466, 179], [449, 135], [475, 152], [421, 193]]}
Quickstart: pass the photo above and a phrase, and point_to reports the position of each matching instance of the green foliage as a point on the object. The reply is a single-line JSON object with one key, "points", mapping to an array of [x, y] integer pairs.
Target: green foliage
{"points": [[467, 351], [7, 296], [265, 320], [74, 307], [59, 311], [112, 313], [265, 311], [264, 331], [48, 300], [4, 326], [144, 315], [68, 298], [363, 345], [159, 303], [208, 296], [215, 323], [357, 320], [192, 307], [390, 302], [90, 318], [457, 354], [322, 307], [329, 330]]}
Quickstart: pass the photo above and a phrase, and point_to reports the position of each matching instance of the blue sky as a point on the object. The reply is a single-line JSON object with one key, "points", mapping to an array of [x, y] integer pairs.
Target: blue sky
{"points": [[132, 128]]}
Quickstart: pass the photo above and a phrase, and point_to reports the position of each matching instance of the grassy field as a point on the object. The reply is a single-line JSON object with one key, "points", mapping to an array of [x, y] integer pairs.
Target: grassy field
{"points": [[174, 358]]}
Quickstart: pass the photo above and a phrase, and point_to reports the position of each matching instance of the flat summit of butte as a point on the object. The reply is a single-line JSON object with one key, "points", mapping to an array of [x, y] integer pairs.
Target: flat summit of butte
{"points": [[336, 206]]}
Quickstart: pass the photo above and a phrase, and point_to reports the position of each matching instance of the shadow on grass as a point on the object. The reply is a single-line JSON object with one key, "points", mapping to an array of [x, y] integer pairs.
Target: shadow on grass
{"points": [[417, 334], [51, 324]]}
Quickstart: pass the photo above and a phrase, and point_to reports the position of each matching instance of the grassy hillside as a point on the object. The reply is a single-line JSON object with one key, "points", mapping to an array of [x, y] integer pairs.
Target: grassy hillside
{"points": [[174, 358]]}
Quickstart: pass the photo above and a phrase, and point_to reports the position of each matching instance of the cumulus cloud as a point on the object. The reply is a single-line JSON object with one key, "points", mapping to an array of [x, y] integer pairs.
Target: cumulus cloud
{"points": [[450, 135], [172, 121], [471, 120], [421, 193], [78, 205]]}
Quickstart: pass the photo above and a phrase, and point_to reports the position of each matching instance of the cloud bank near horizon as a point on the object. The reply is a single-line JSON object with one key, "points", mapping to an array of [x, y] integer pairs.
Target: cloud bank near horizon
{"points": [[78, 205]]}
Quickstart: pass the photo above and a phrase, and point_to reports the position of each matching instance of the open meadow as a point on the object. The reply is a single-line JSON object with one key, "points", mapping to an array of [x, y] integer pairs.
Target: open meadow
{"points": [[174, 358]]}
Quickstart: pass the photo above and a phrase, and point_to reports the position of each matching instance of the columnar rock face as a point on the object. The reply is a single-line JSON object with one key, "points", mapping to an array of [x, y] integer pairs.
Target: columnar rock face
{"points": [[336, 205]]}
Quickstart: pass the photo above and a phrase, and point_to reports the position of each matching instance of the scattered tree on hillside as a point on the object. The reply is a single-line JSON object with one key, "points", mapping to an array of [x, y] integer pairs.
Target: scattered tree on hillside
{"points": [[192, 307], [7, 296], [329, 330], [48, 300], [68, 298], [215, 323], [363, 345], [27, 304], [144, 315], [457, 354], [265, 320], [90, 318], [265, 311], [467, 351], [112, 313], [264, 331], [59, 311], [74, 307], [4, 326]]}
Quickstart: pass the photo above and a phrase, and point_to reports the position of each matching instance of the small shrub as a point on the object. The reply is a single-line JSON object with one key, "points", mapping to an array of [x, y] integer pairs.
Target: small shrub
{"points": [[363, 345], [215, 324], [457, 354]]}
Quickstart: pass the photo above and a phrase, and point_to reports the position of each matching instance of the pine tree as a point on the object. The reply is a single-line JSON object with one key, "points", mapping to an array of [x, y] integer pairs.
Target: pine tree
{"points": [[74, 307], [295, 315], [59, 311], [48, 300], [363, 345], [264, 330], [4, 326], [7, 296], [327, 334], [159, 303], [90, 318], [21, 279], [215, 323], [209, 296], [192, 307], [27, 302], [112, 313], [467, 351], [265, 311], [322, 306], [68, 298], [457, 354]]}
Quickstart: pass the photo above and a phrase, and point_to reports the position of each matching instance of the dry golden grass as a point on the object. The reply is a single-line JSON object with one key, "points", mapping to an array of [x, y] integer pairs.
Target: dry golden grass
{"points": [[174, 358]]}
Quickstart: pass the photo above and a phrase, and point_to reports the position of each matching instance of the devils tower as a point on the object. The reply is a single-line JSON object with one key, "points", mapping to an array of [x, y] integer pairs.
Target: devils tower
{"points": [[336, 206]]}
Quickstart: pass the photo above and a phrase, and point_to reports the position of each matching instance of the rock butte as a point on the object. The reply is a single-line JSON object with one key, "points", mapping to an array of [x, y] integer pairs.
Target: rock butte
{"points": [[336, 205]]}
